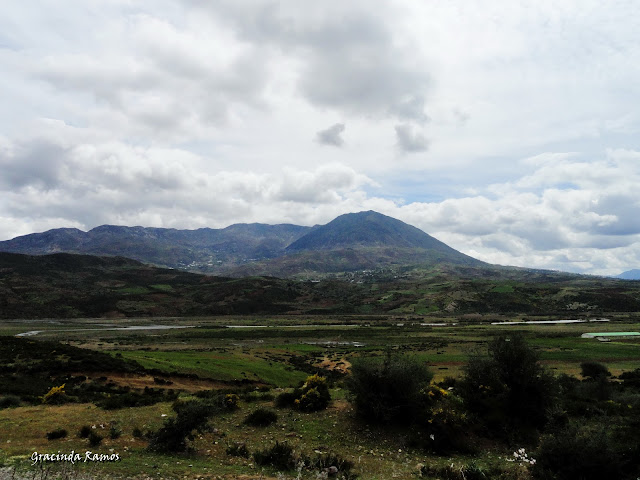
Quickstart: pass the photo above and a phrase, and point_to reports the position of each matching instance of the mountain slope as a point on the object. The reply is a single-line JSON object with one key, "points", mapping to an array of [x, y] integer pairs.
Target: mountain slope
{"points": [[357, 241], [206, 250], [366, 229], [354, 241], [79, 286], [630, 275]]}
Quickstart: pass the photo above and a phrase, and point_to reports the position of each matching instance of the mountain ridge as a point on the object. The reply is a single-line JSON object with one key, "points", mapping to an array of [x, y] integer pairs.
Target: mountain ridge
{"points": [[361, 240]]}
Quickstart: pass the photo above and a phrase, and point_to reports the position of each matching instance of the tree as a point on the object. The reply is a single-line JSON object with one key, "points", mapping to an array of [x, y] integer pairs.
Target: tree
{"points": [[509, 387], [388, 390]]}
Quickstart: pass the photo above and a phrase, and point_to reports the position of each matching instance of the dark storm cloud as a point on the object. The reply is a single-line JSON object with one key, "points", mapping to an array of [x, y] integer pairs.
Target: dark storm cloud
{"points": [[347, 56], [409, 140], [39, 163], [332, 135]]}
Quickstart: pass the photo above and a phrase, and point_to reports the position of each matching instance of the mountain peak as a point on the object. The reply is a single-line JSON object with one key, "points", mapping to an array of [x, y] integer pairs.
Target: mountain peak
{"points": [[366, 229]]}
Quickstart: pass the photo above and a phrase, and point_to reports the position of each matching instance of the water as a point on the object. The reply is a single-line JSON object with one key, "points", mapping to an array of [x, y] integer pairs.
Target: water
{"points": [[131, 327], [542, 322]]}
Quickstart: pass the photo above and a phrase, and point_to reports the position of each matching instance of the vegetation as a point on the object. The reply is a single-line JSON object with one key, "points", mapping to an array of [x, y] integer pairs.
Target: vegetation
{"points": [[388, 390], [509, 388], [279, 456], [261, 417], [56, 434], [445, 437], [174, 435]]}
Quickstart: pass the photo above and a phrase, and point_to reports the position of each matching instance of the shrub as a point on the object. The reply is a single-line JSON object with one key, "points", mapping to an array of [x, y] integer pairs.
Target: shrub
{"points": [[261, 417], [9, 401], [445, 427], [324, 461], [231, 401], [594, 370], [172, 437], [389, 390], [279, 456], [631, 379], [137, 432], [286, 399], [95, 439], [55, 434], [314, 394], [55, 396], [509, 388], [572, 453], [114, 431], [238, 449], [84, 431]]}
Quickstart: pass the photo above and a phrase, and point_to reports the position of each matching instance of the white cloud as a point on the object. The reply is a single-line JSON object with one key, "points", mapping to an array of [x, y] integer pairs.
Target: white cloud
{"points": [[199, 113]]}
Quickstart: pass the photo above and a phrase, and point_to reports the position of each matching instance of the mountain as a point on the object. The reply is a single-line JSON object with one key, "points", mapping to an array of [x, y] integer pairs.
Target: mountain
{"points": [[351, 242], [356, 242], [367, 229], [206, 250], [630, 275]]}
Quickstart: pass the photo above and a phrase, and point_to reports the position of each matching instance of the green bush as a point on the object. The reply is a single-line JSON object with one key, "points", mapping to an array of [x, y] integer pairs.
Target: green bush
{"points": [[95, 439], [444, 428], [287, 399], [631, 379], [85, 431], [114, 432], [238, 449], [323, 461], [173, 436], [571, 454], [280, 456], [56, 434], [508, 390], [9, 401], [314, 395], [594, 370], [388, 390], [262, 417]]}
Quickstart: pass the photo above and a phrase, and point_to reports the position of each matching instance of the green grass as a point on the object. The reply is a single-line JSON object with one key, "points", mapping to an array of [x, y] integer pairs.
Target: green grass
{"points": [[138, 290], [502, 289], [225, 366], [162, 287]]}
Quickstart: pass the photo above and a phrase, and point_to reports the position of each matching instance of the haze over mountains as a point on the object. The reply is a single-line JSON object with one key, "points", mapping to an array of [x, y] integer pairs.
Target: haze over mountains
{"points": [[354, 241]]}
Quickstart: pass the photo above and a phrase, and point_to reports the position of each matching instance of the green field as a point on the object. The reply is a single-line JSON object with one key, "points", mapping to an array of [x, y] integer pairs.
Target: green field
{"points": [[270, 355]]}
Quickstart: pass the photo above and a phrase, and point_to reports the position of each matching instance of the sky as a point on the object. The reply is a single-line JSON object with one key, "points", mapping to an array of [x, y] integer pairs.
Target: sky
{"points": [[508, 130]]}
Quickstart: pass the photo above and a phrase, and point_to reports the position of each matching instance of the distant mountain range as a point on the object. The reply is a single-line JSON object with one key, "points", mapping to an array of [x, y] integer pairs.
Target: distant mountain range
{"points": [[354, 241], [630, 275]]}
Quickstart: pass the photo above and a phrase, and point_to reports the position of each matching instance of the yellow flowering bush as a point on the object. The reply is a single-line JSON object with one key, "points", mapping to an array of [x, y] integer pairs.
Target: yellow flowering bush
{"points": [[55, 395]]}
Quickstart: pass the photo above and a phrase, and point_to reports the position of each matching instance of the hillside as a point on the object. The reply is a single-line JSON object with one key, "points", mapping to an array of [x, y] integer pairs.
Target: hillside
{"points": [[78, 286], [204, 250]]}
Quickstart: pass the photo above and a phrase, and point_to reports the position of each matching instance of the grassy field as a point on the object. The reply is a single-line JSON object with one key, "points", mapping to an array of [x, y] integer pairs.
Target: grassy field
{"points": [[275, 353]]}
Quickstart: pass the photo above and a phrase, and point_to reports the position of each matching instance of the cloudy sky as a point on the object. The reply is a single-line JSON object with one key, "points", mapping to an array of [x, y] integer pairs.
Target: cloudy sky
{"points": [[509, 130]]}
